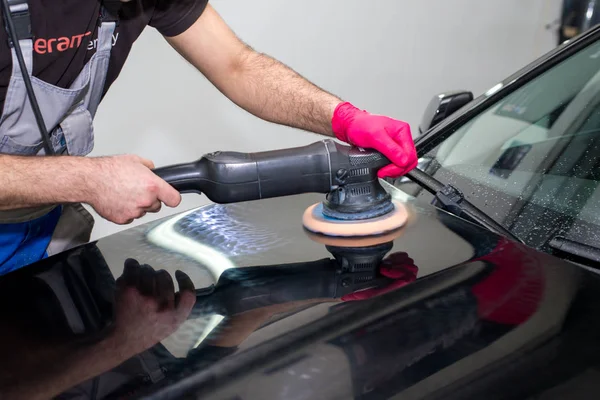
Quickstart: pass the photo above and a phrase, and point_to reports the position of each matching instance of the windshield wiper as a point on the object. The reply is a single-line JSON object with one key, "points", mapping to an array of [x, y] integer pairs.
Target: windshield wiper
{"points": [[580, 251], [449, 198]]}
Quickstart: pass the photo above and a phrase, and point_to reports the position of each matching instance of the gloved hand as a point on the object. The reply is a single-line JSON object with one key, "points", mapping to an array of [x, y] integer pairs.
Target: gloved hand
{"points": [[513, 292], [397, 266], [390, 137]]}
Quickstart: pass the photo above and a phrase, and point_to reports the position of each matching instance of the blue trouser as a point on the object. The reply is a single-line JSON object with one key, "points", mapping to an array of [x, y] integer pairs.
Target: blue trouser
{"points": [[26, 242]]}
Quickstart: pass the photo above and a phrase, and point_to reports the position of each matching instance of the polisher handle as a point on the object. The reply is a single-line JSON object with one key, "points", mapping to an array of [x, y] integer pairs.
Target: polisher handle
{"points": [[227, 177]]}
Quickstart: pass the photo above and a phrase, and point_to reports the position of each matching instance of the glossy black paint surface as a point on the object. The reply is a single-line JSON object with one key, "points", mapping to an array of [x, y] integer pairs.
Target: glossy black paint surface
{"points": [[471, 315]]}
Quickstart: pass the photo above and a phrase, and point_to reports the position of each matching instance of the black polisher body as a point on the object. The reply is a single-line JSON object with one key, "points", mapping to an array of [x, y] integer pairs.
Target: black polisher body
{"points": [[346, 174]]}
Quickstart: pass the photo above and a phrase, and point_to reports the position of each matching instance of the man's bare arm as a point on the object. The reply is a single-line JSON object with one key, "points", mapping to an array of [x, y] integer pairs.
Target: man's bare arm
{"points": [[254, 81], [274, 92], [77, 364], [120, 188], [34, 181]]}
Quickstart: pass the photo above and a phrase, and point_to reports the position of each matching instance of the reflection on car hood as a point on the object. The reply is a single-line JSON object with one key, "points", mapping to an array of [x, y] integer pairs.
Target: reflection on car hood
{"points": [[443, 308]]}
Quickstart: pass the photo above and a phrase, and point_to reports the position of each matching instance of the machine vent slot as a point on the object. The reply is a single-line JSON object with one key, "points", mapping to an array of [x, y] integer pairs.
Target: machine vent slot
{"points": [[360, 191], [363, 266], [359, 172], [361, 279], [358, 157]]}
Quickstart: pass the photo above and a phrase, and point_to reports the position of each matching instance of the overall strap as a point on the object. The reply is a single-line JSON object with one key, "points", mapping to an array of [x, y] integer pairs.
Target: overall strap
{"points": [[107, 23], [107, 26], [109, 12], [19, 11]]}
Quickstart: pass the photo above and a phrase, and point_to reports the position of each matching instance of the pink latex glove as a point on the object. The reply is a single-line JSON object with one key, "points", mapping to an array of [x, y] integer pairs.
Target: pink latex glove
{"points": [[513, 292], [390, 137], [397, 266]]}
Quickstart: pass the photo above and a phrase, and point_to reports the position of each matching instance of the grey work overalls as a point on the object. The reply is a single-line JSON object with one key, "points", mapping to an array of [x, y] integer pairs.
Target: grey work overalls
{"points": [[68, 114]]}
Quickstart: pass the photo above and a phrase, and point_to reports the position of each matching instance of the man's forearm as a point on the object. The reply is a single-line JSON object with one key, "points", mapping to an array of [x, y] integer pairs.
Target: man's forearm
{"points": [[274, 92], [33, 181], [77, 364], [256, 82]]}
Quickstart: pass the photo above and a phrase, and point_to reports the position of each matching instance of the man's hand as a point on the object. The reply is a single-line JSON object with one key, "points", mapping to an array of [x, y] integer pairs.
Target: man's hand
{"points": [[120, 188], [390, 137], [124, 188], [147, 311], [397, 266], [147, 308]]}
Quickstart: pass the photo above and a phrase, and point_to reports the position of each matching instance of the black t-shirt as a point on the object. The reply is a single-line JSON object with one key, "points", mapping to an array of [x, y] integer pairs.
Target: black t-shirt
{"points": [[65, 35]]}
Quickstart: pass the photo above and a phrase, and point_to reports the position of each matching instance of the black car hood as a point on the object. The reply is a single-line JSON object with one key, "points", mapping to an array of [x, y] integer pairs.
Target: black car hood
{"points": [[279, 314]]}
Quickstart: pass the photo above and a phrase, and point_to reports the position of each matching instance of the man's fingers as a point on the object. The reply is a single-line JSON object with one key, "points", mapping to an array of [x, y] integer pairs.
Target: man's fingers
{"points": [[168, 195], [147, 285], [412, 165], [154, 208], [131, 267], [394, 171], [184, 282], [186, 297], [185, 286], [131, 273], [405, 140], [413, 269], [185, 303], [399, 265], [396, 272], [392, 150], [403, 137], [147, 163], [398, 258], [402, 152], [165, 289], [390, 171], [400, 147], [399, 132]]}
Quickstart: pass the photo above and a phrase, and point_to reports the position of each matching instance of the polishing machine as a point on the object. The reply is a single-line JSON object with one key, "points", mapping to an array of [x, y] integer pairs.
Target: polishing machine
{"points": [[346, 174]]}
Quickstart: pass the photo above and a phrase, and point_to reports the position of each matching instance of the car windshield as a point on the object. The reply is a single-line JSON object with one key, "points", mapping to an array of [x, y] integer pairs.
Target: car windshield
{"points": [[531, 161]]}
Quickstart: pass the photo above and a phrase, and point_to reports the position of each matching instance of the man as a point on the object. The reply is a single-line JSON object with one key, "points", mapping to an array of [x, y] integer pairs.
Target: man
{"points": [[76, 51]]}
